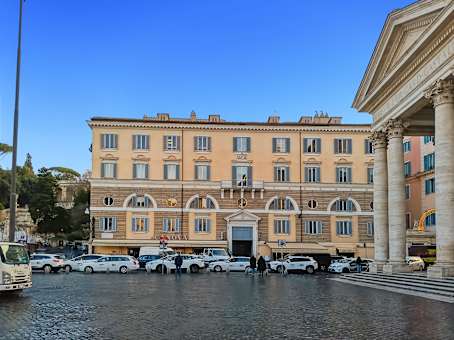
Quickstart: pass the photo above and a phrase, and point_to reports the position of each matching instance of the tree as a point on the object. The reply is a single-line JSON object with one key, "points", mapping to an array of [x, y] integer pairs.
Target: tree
{"points": [[27, 169], [5, 148], [62, 173]]}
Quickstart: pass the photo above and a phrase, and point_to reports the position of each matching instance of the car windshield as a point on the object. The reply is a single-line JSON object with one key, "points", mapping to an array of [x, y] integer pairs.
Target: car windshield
{"points": [[219, 252], [13, 254]]}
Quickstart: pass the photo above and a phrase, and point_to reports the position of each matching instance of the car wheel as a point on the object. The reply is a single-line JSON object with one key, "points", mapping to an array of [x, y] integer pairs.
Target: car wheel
{"points": [[194, 268], [310, 269], [88, 269], [123, 269], [68, 268], [47, 268], [159, 268], [345, 270], [217, 268]]}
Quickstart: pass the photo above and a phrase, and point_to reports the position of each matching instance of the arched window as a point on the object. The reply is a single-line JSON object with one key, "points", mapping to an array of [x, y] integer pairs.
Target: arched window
{"points": [[343, 205], [282, 204], [138, 201], [202, 203], [430, 220]]}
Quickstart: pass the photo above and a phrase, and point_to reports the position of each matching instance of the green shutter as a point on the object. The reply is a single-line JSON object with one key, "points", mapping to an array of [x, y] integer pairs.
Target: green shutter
{"points": [[287, 144], [274, 145], [248, 144], [165, 171], [235, 149]]}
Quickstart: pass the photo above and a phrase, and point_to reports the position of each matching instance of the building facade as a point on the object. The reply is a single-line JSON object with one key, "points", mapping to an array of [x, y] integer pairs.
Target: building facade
{"points": [[236, 185], [408, 88]]}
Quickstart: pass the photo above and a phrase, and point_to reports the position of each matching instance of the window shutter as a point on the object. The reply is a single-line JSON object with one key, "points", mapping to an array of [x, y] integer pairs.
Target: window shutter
{"points": [[274, 145], [146, 224], [164, 224], [146, 171], [177, 171], [349, 205], [427, 187], [208, 225], [234, 173], [114, 223], [276, 169], [349, 175], [319, 145], [287, 174], [338, 228], [319, 227], [304, 145], [337, 205], [208, 172], [164, 143], [350, 228], [178, 143], [306, 227], [134, 142], [336, 146], [115, 170], [196, 173], [275, 226], [147, 142], [287, 145], [249, 175], [103, 172], [133, 224], [337, 175], [349, 146], [209, 143], [134, 171], [317, 175], [165, 171], [195, 143], [177, 225], [248, 144], [103, 141], [235, 141], [306, 174], [115, 141]]}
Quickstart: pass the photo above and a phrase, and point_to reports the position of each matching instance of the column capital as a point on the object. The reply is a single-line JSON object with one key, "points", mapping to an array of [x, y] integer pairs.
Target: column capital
{"points": [[395, 128], [379, 139], [442, 92]]}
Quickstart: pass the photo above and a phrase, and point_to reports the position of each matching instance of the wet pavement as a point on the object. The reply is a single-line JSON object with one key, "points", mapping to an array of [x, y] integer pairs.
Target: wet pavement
{"points": [[216, 306]]}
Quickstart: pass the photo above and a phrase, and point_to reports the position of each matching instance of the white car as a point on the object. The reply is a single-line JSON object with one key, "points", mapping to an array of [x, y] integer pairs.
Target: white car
{"points": [[47, 262], [237, 263], [76, 263], [415, 263], [193, 263], [215, 254], [348, 265], [295, 264], [111, 263]]}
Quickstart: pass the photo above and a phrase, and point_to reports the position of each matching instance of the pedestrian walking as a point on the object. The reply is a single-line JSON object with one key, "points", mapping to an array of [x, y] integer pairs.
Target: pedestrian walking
{"points": [[261, 265], [178, 263], [253, 264], [358, 264]]}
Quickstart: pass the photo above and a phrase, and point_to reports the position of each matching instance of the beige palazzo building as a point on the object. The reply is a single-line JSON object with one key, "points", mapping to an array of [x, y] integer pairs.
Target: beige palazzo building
{"points": [[236, 185], [408, 88]]}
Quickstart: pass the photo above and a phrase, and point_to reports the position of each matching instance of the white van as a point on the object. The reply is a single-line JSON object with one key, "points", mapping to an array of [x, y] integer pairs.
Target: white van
{"points": [[215, 254], [155, 251]]}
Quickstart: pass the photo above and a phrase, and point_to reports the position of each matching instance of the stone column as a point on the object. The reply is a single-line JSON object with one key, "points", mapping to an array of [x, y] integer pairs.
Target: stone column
{"points": [[396, 199], [381, 239], [442, 96]]}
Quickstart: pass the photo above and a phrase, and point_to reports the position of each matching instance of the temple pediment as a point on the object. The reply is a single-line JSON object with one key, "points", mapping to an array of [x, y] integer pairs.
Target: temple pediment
{"points": [[241, 216]]}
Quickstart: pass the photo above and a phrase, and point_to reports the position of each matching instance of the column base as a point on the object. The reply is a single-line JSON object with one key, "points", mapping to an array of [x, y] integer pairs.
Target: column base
{"points": [[440, 271], [376, 267], [396, 267]]}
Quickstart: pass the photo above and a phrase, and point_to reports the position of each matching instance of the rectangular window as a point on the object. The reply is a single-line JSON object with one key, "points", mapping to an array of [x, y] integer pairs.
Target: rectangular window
{"points": [[108, 224], [368, 147], [202, 143], [281, 145], [407, 191], [430, 186], [429, 139], [172, 172], [140, 142], [171, 143], [312, 174], [108, 170], [171, 225], [312, 145], [343, 174], [109, 141], [242, 175], [430, 220], [202, 225], [344, 228], [343, 145], [202, 172], [370, 175], [407, 169], [281, 173], [281, 226], [407, 146], [370, 228], [241, 144], [312, 227], [429, 162], [140, 171], [139, 224], [408, 221]]}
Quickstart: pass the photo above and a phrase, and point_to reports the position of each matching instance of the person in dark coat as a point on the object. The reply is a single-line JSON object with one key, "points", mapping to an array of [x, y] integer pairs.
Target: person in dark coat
{"points": [[178, 263], [261, 265], [253, 264], [358, 264]]}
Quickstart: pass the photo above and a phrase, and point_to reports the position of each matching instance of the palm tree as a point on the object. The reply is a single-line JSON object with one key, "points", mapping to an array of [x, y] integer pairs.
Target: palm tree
{"points": [[5, 148]]}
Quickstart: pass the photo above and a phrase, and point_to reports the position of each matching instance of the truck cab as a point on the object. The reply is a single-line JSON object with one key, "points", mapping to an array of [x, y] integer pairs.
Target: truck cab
{"points": [[15, 269]]}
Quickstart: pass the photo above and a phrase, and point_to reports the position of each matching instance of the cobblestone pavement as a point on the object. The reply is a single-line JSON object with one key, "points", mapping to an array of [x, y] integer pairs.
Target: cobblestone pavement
{"points": [[216, 306]]}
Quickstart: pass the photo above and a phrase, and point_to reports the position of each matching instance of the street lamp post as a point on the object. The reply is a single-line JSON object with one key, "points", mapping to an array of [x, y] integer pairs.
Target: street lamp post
{"points": [[13, 197]]}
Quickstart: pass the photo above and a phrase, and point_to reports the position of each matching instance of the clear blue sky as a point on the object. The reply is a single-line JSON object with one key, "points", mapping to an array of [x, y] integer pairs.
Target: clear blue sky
{"points": [[242, 59]]}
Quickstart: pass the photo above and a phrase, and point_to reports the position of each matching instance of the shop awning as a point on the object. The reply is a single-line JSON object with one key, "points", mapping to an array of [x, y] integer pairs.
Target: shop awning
{"points": [[306, 248], [155, 243]]}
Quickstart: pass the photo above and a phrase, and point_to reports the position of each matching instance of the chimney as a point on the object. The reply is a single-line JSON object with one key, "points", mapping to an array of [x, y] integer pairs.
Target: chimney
{"points": [[273, 119], [163, 116], [215, 118], [193, 115]]}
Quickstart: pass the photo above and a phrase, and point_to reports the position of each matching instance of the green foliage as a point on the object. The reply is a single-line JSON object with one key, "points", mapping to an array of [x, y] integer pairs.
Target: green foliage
{"points": [[5, 148], [63, 173]]}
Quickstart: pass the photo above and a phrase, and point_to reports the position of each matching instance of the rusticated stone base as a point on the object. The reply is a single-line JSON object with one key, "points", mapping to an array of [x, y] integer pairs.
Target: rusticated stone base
{"points": [[440, 271], [376, 267], [396, 267]]}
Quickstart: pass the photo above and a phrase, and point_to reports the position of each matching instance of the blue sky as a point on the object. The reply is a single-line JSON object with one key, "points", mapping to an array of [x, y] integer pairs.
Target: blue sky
{"points": [[242, 59]]}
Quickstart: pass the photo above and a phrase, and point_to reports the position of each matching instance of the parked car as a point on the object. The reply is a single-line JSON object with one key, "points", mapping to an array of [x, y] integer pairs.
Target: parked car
{"points": [[295, 264], [215, 254], [112, 263], [236, 263], [193, 263], [144, 259], [47, 262], [349, 265], [156, 251], [76, 263], [415, 263]]}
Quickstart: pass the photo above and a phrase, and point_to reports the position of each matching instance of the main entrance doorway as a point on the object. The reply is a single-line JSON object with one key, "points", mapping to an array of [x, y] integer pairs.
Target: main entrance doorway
{"points": [[242, 240]]}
